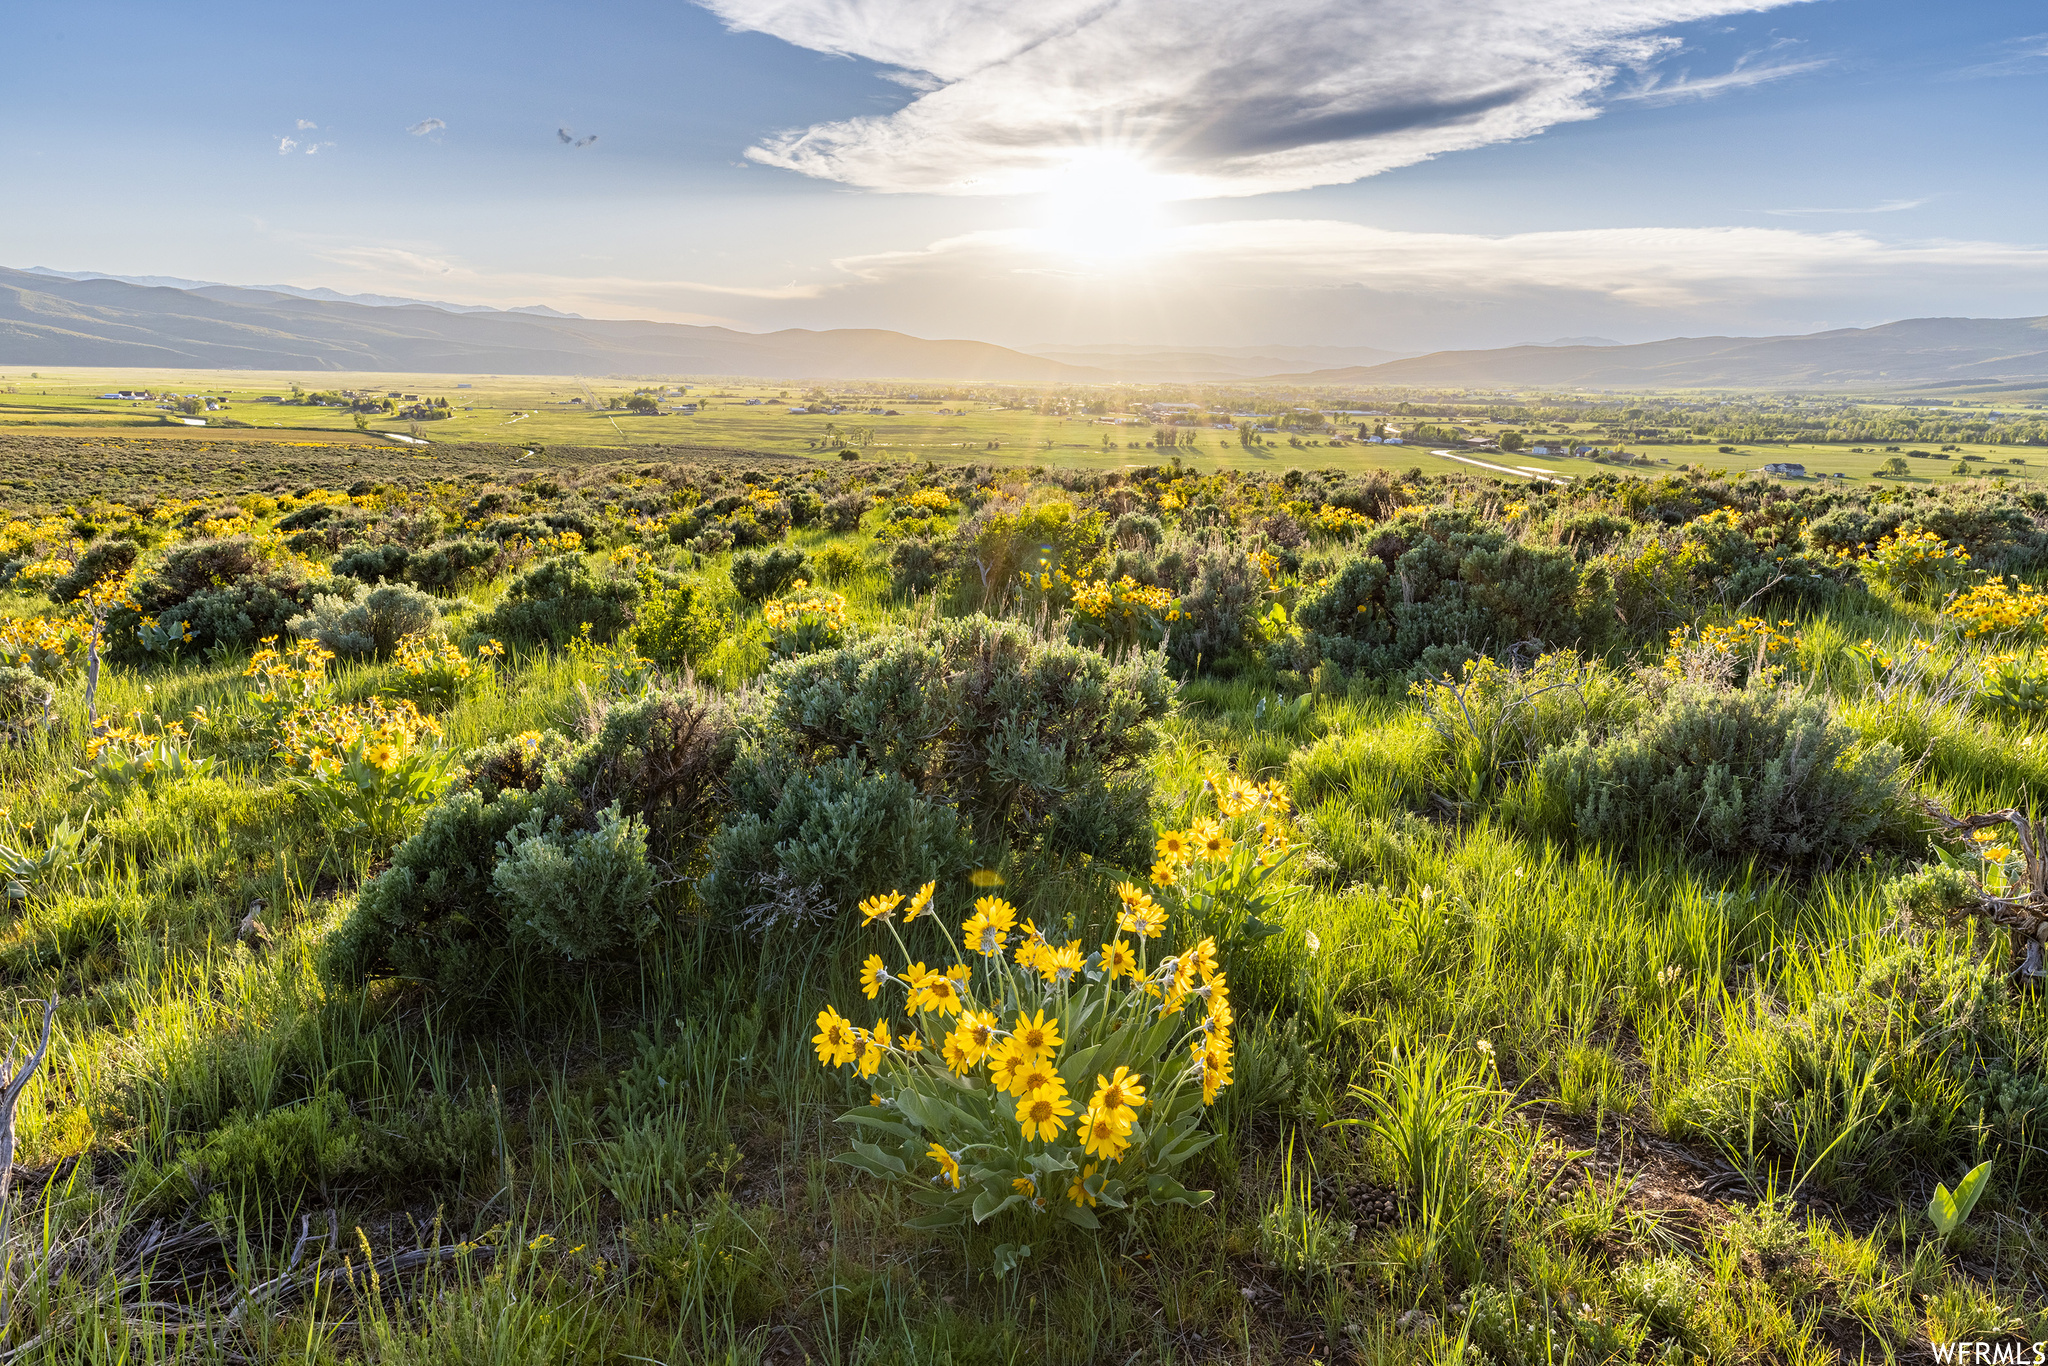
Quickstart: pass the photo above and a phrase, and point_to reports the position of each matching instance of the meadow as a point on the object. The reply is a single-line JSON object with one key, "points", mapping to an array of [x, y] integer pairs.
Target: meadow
{"points": [[1076, 426], [543, 903]]}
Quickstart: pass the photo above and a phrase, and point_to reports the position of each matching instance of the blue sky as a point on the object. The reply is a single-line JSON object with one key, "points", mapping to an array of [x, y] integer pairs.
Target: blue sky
{"points": [[1404, 173]]}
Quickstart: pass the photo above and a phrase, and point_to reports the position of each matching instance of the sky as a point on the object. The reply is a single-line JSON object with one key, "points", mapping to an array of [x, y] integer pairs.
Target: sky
{"points": [[1406, 174]]}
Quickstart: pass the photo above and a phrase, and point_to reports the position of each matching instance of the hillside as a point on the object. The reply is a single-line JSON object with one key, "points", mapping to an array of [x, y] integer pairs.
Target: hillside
{"points": [[1918, 352], [45, 320]]}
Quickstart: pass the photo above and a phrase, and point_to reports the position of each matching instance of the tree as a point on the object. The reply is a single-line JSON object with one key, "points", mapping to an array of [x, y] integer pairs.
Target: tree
{"points": [[1512, 441], [641, 403], [1896, 467]]}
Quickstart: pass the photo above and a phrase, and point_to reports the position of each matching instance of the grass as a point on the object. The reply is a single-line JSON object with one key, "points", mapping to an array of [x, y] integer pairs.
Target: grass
{"points": [[1550, 1102]]}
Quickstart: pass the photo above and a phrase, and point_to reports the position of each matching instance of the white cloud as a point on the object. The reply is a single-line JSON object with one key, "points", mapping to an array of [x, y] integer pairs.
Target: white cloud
{"points": [[304, 124], [392, 269], [426, 126], [286, 146], [1662, 268], [1742, 76], [1887, 206], [2026, 56], [1218, 96]]}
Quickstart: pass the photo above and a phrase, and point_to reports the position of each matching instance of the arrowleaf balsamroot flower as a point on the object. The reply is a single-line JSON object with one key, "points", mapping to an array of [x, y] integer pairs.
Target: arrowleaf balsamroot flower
{"points": [[1038, 1037], [834, 1039], [989, 926], [1121, 1093], [881, 906], [931, 990], [981, 1121], [1105, 1134], [1043, 1115]]}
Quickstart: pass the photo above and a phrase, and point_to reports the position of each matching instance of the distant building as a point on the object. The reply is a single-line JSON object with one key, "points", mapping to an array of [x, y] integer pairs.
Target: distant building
{"points": [[1787, 469], [465, 386]]}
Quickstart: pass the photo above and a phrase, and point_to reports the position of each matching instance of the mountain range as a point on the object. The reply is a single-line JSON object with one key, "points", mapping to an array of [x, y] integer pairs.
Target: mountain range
{"points": [[1922, 353], [51, 319], [77, 318]]}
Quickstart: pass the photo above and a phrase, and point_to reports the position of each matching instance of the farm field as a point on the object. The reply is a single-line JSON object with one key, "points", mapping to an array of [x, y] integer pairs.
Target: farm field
{"points": [[944, 423], [556, 902]]}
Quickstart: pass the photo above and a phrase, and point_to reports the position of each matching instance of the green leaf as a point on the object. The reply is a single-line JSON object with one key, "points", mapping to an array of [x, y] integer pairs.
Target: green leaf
{"points": [[1079, 1214], [1942, 1211], [988, 1204], [938, 1219], [891, 1163], [1948, 1212], [868, 1117]]}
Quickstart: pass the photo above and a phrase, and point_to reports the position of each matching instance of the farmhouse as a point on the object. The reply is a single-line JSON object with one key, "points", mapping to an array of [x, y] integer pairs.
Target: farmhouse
{"points": [[1787, 469]]}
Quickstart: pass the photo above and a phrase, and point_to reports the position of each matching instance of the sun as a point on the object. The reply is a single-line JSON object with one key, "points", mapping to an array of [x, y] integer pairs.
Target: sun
{"points": [[1103, 205]]}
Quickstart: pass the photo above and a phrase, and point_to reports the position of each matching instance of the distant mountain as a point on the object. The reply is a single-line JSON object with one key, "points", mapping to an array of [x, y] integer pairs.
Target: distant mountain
{"points": [[369, 300], [1916, 353], [1580, 341], [1213, 363], [50, 319]]}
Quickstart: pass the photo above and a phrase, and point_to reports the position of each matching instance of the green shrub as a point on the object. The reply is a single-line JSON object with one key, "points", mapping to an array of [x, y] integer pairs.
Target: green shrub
{"points": [[373, 563], [583, 893], [1494, 721], [1440, 588], [681, 626], [917, 564], [1218, 629], [25, 701], [806, 840], [276, 1157], [970, 726], [639, 796], [553, 601], [759, 576], [224, 592], [844, 512], [104, 559], [1736, 772], [444, 567], [1044, 538], [356, 624]]}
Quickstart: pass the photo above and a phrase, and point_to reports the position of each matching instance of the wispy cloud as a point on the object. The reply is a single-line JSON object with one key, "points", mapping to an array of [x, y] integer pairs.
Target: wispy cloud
{"points": [[2026, 56], [1888, 206], [1745, 74], [1217, 97], [426, 126], [304, 124], [1650, 267], [399, 269]]}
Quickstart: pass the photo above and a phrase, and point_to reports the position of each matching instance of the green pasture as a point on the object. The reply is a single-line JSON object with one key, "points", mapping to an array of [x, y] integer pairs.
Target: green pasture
{"points": [[543, 411]]}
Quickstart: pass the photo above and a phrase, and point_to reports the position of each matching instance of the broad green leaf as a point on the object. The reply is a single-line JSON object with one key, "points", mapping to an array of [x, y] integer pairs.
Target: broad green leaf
{"points": [[1079, 1214]]}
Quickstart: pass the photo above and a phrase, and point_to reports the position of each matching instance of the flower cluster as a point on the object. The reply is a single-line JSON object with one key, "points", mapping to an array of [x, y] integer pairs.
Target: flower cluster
{"points": [[807, 619], [930, 501], [1915, 564], [1331, 520], [2015, 683], [1746, 643], [432, 670], [1121, 614], [1998, 609], [1220, 872], [142, 752], [1020, 1030], [319, 739], [50, 646]]}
